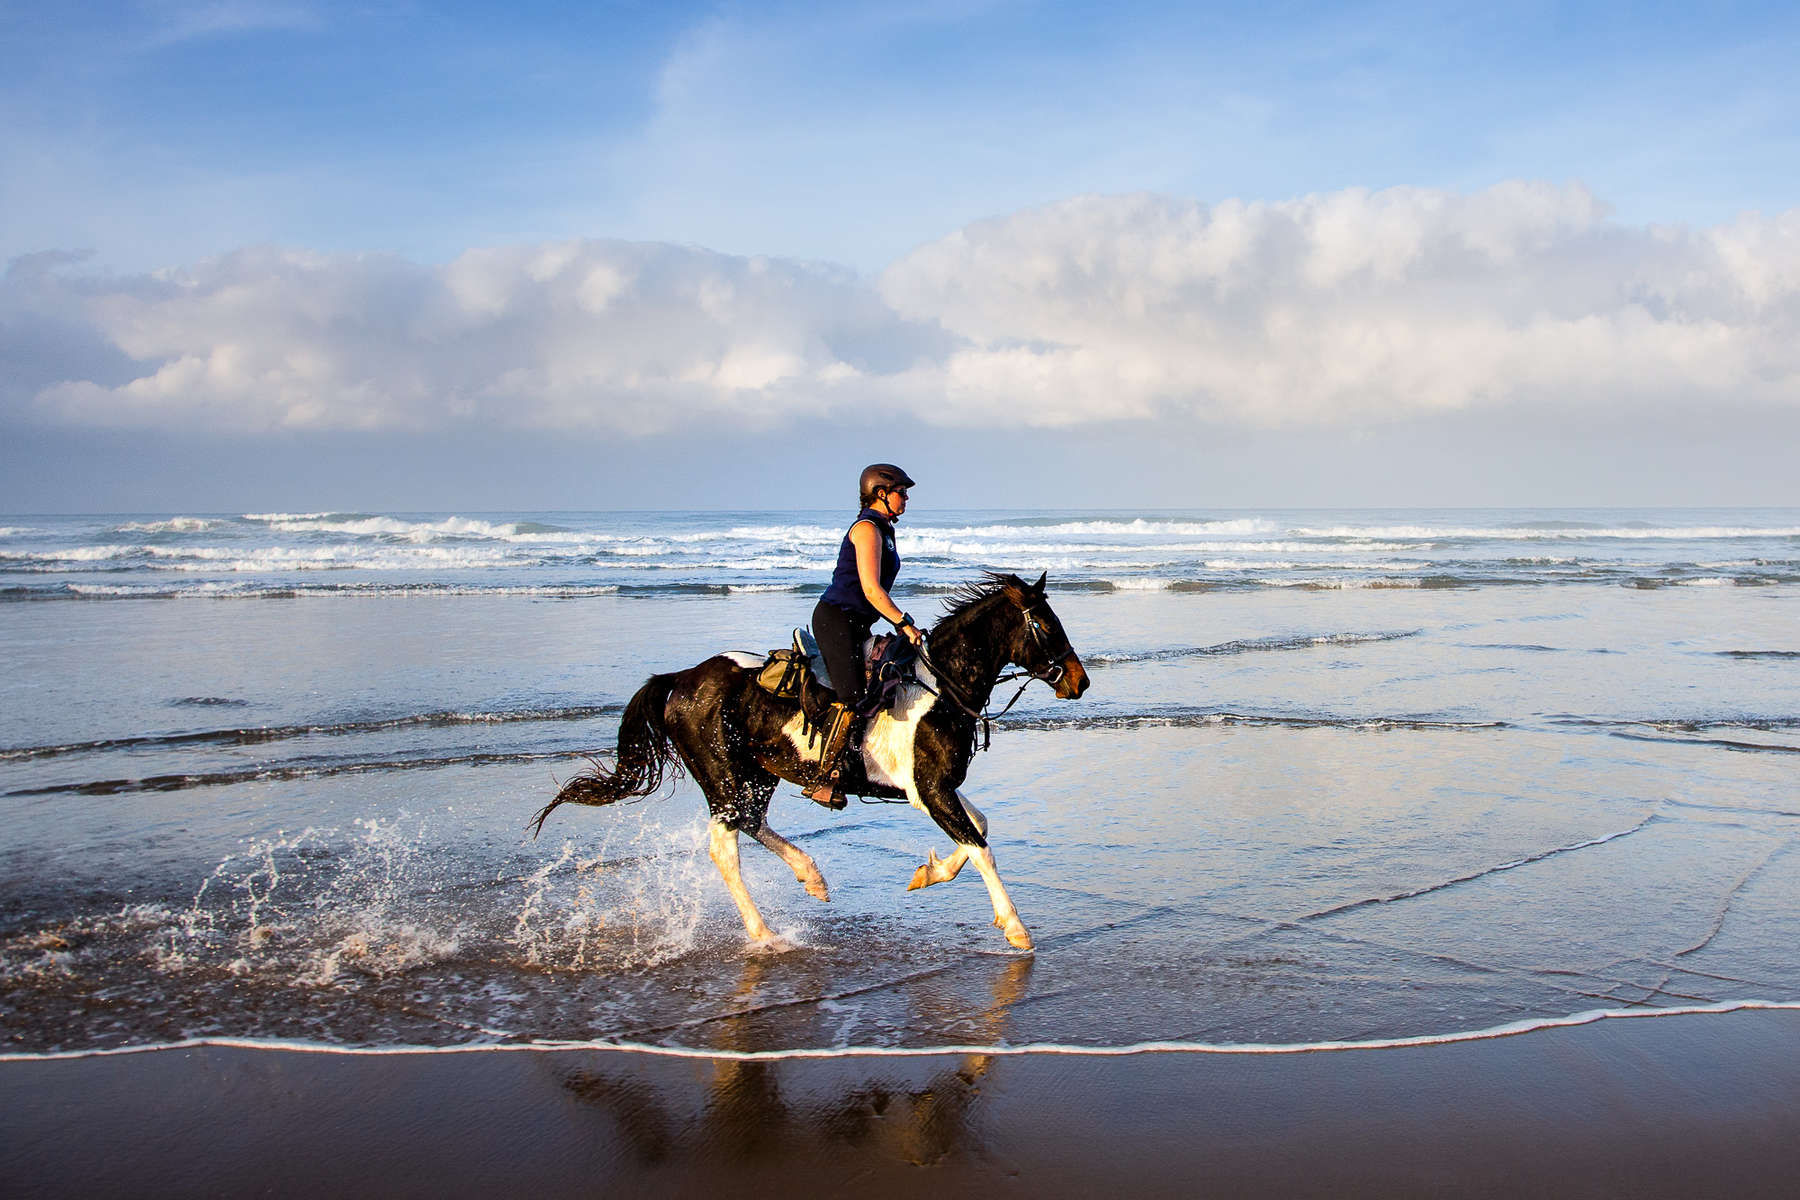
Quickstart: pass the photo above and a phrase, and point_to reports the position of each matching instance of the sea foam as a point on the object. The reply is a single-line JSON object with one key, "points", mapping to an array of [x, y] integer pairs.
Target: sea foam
{"points": [[490, 1044]]}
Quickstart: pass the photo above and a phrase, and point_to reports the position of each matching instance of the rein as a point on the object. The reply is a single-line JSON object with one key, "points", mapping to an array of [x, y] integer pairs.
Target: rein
{"points": [[983, 717]]}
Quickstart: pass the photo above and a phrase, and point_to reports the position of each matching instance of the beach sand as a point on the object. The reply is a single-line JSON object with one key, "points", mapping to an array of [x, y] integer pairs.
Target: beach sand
{"points": [[1705, 1105]]}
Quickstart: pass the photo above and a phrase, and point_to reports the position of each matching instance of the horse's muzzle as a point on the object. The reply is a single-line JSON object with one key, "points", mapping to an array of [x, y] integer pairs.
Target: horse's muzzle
{"points": [[1073, 681]]}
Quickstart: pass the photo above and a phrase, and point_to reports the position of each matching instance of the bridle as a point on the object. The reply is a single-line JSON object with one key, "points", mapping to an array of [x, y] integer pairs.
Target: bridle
{"points": [[1051, 675]]}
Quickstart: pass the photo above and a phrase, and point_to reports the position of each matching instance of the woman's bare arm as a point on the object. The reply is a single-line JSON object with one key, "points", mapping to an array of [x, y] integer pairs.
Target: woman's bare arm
{"points": [[868, 572]]}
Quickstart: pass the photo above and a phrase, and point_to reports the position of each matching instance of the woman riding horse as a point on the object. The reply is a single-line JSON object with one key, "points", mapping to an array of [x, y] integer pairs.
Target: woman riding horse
{"points": [[867, 563], [736, 740]]}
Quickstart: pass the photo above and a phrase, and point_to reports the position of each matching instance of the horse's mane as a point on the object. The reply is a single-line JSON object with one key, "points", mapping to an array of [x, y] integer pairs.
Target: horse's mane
{"points": [[970, 596]]}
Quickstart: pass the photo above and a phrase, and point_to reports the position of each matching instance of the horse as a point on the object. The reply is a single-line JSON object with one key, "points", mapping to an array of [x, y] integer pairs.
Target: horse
{"points": [[737, 740]]}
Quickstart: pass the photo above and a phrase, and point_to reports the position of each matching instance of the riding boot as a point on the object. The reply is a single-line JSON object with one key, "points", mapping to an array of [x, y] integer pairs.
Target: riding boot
{"points": [[837, 736]]}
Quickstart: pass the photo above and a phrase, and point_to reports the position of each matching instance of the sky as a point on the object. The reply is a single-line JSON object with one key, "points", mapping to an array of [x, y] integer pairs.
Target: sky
{"points": [[421, 256]]}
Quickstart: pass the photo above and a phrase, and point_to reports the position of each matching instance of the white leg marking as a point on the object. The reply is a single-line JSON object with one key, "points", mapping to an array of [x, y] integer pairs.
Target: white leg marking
{"points": [[943, 870], [798, 861], [1006, 917], [723, 849], [938, 870]]}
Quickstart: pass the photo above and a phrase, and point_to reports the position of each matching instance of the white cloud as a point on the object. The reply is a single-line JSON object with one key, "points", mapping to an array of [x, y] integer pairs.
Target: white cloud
{"points": [[627, 337], [1356, 306], [1335, 310], [178, 21]]}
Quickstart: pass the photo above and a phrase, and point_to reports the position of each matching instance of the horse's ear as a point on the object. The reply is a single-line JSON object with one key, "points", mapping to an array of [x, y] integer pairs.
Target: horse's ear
{"points": [[1038, 587]]}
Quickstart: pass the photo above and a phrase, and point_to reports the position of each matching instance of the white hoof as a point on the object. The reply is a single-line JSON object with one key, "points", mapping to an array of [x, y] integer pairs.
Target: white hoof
{"points": [[926, 875], [769, 943], [1015, 933]]}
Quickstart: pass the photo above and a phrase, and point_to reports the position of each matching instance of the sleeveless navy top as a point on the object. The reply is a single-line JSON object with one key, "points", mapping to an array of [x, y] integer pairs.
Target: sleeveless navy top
{"points": [[845, 590]]}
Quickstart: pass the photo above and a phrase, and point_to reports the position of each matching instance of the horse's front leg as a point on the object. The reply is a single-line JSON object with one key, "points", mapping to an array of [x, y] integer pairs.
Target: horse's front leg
{"points": [[1006, 917], [958, 819], [943, 870], [798, 861]]}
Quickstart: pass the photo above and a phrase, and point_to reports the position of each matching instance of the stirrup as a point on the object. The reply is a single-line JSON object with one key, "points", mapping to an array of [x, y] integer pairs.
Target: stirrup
{"points": [[837, 737], [828, 795]]}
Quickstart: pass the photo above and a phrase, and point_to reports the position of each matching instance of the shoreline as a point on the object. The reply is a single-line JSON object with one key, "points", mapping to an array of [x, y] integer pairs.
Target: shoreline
{"points": [[1694, 1103], [1518, 1028]]}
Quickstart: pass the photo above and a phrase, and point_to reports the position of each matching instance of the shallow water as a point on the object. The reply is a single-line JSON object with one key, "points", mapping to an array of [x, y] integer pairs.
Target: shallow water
{"points": [[1283, 814]]}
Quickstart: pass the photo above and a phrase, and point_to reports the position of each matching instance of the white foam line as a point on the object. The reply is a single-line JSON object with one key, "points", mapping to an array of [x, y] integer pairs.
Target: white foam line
{"points": [[1130, 1049], [1481, 874]]}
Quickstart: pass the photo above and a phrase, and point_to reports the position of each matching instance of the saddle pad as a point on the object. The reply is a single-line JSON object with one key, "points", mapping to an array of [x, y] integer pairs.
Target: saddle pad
{"points": [[805, 643], [808, 647]]}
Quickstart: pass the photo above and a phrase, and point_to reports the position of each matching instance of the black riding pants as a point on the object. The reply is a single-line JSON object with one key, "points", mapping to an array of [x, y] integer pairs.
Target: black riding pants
{"points": [[841, 636]]}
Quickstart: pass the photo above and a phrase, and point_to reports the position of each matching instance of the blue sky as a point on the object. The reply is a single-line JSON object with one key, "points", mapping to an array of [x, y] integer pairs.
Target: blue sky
{"points": [[261, 209]]}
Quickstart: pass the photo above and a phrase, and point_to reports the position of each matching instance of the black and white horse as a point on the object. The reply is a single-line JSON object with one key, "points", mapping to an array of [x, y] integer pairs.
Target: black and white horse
{"points": [[737, 740]]}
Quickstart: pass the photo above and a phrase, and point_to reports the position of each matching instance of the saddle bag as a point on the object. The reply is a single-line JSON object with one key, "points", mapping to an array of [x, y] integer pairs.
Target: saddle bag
{"points": [[783, 674], [889, 664]]}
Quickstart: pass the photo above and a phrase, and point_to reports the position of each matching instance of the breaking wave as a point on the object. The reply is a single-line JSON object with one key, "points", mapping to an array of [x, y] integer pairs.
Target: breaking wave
{"points": [[1244, 646], [259, 734], [1718, 733], [570, 555], [1190, 718], [277, 773]]}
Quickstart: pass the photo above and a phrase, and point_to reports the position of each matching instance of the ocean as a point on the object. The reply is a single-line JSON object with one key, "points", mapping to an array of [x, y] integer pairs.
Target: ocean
{"points": [[1342, 777]]}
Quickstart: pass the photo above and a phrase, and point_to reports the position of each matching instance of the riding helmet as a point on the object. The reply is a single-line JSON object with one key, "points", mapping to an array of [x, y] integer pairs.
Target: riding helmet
{"points": [[880, 477]]}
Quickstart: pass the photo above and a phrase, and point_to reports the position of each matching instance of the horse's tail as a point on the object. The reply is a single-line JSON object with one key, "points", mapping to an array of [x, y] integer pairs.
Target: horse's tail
{"points": [[644, 756]]}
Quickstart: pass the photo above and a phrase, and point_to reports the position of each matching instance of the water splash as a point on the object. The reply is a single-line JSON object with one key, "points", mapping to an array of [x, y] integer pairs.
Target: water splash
{"points": [[307, 907], [638, 900]]}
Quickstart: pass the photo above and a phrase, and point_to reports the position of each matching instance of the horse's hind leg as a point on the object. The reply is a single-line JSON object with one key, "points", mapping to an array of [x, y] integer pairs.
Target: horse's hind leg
{"points": [[737, 791], [736, 802], [798, 861], [943, 870], [724, 852]]}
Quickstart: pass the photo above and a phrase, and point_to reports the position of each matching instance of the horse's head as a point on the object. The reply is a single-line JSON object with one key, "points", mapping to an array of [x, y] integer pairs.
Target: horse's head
{"points": [[1039, 644]]}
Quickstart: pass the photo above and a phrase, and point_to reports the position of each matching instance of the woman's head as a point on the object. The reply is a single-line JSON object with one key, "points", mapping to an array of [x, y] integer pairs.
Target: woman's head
{"points": [[882, 479]]}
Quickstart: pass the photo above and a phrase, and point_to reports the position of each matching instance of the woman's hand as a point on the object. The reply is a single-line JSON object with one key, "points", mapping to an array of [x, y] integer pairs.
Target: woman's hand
{"points": [[913, 633]]}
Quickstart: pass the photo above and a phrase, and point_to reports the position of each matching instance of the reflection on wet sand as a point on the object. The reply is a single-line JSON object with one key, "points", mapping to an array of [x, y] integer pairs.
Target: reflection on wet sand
{"points": [[743, 1115]]}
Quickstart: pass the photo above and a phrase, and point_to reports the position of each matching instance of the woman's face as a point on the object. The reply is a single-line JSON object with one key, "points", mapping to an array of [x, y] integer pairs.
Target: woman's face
{"points": [[896, 501]]}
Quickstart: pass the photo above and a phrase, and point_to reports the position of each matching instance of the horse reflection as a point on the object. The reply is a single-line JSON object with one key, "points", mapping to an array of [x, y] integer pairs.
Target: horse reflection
{"points": [[745, 1114], [926, 1125]]}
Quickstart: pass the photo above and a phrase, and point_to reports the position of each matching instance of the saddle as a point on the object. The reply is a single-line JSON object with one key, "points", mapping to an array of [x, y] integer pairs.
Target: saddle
{"points": [[887, 659]]}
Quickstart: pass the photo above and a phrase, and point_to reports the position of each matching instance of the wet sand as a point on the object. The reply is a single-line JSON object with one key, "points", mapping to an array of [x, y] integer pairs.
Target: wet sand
{"points": [[1695, 1105]]}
